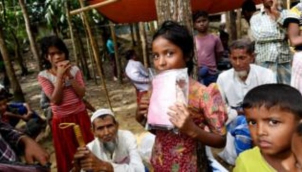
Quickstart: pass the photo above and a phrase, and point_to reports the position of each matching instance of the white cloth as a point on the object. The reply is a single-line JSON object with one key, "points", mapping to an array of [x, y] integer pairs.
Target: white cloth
{"points": [[138, 75], [233, 90], [125, 158]]}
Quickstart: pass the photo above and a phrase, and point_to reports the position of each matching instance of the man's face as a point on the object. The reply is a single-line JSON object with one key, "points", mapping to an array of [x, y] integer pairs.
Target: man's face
{"points": [[271, 129], [105, 129], [241, 60], [201, 24], [268, 3]]}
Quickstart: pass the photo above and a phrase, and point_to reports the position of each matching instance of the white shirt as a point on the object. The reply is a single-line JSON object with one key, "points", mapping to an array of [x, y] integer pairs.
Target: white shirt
{"points": [[233, 89], [138, 75], [125, 158]]}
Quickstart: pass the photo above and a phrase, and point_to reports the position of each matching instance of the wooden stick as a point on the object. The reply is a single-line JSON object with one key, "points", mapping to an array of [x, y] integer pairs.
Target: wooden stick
{"points": [[89, 7], [117, 59], [96, 54]]}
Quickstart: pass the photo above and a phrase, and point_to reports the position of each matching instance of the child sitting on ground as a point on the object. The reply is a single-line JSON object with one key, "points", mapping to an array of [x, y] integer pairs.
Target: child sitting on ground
{"points": [[12, 113], [273, 112]]}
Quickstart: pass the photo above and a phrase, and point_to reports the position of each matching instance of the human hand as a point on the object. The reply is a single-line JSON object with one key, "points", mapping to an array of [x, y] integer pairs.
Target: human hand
{"points": [[180, 117], [62, 68], [142, 109], [84, 159], [33, 151]]}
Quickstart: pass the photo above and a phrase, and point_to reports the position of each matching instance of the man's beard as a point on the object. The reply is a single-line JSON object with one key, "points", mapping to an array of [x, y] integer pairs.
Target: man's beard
{"points": [[110, 146], [241, 74]]}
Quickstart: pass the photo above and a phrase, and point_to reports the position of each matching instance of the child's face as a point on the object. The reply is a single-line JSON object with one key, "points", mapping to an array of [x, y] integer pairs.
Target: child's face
{"points": [[201, 24], [272, 129], [167, 55], [3, 106], [296, 148], [55, 55]]}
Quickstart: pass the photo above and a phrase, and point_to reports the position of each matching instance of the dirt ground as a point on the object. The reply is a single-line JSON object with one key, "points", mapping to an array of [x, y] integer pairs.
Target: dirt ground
{"points": [[123, 100]]}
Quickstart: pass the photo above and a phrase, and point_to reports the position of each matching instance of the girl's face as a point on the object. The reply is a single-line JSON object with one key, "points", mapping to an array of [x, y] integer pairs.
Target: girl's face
{"points": [[55, 56], [167, 55], [296, 148]]}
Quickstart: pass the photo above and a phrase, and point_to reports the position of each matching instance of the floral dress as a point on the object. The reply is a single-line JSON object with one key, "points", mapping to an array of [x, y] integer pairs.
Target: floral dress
{"points": [[178, 152]]}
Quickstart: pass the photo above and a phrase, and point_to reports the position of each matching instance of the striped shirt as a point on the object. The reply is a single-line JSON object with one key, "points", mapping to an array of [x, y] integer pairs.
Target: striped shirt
{"points": [[71, 103], [270, 41]]}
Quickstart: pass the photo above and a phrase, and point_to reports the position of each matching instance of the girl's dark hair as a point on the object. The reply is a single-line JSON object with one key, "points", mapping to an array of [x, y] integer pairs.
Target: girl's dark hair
{"points": [[51, 41], [282, 96], [180, 36], [200, 13]]}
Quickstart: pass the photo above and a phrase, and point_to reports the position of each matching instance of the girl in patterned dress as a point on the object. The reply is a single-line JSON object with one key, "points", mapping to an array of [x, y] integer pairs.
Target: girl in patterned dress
{"points": [[200, 123], [64, 86]]}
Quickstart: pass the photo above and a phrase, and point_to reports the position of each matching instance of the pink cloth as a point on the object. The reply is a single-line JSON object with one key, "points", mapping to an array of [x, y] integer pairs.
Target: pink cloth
{"points": [[207, 48]]}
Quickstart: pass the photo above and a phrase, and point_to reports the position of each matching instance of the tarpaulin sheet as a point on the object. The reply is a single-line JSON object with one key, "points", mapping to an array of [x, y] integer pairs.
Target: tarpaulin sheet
{"points": [[131, 11]]}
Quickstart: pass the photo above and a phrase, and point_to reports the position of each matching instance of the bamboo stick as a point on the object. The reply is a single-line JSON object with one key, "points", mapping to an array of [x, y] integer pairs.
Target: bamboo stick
{"points": [[90, 7], [117, 60], [95, 53], [71, 33]]}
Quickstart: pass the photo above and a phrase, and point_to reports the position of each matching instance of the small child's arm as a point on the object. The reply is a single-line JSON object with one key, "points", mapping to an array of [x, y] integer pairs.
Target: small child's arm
{"points": [[29, 114]]}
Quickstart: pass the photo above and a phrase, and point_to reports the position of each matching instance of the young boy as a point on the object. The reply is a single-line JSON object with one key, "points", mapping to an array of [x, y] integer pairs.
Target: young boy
{"points": [[273, 112], [12, 113], [209, 49], [297, 144]]}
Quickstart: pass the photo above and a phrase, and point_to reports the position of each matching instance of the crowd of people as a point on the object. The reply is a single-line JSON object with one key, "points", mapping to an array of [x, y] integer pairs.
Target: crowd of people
{"points": [[252, 111]]}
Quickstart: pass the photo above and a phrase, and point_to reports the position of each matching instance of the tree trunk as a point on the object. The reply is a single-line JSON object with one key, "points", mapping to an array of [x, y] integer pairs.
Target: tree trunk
{"points": [[17, 91], [144, 43], [18, 54], [231, 22], [32, 42], [176, 10]]}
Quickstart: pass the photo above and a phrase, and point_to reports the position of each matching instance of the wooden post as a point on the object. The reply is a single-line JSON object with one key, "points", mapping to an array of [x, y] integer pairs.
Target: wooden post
{"points": [[238, 23], [144, 43], [95, 53], [71, 33], [132, 34], [117, 59]]}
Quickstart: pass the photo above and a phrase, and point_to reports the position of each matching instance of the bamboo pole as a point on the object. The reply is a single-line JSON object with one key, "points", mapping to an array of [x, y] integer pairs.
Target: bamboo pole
{"points": [[95, 53], [117, 59], [144, 43], [71, 33], [90, 7], [238, 22]]}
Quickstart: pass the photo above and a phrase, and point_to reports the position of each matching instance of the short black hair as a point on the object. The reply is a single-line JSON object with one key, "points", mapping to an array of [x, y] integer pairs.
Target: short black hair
{"points": [[248, 6], [181, 37], [243, 44], [200, 13], [104, 116], [282, 96], [51, 41], [129, 54]]}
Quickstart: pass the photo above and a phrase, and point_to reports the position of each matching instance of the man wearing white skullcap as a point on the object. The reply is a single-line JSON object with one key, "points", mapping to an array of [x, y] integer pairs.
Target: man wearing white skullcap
{"points": [[111, 150]]}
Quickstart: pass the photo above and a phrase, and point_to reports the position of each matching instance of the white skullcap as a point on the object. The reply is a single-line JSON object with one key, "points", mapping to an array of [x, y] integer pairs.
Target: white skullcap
{"points": [[101, 112]]}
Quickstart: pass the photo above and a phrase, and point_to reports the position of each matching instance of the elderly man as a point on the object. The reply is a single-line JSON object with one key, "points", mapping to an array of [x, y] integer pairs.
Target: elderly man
{"points": [[233, 85], [272, 49], [111, 150]]}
